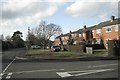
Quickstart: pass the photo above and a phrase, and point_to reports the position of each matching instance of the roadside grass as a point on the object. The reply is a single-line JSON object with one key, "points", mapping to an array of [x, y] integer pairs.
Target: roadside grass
{"points": [[65, 54], [33, 52], [46, 52], [101, 52]]}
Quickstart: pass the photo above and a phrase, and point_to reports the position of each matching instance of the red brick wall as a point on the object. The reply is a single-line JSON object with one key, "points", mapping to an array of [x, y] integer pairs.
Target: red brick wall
{"points": [[107, 35]]}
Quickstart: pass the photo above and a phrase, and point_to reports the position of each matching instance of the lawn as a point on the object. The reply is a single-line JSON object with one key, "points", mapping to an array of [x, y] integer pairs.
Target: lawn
{"points": [[45, 52], [65, 54], [33, 52]]}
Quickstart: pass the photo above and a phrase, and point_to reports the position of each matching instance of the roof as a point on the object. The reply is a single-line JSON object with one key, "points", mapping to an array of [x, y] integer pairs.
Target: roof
{"points": [[100, 25], [62, 35], [107, 23]]}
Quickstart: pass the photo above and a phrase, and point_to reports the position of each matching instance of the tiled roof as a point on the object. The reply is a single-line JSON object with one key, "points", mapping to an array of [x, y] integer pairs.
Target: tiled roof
{"points": [[62, 35], [107, 23], [100, 25]]}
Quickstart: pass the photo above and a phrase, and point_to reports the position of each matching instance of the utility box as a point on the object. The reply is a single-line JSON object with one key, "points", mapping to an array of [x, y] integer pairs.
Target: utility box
{"points": [[89, 50]]}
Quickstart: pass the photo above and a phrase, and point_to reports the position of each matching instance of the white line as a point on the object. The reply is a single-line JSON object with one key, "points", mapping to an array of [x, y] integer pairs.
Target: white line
{"points": [[0, 78], [93, 72], [6, 68], [64, 74], [38, 71], [67, 74], [21, 58], [103, 65], [9, 75], [8, 65], [80, 71], [1, 74]]}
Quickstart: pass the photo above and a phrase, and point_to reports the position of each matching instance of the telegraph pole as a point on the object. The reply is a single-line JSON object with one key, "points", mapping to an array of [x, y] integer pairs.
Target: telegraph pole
{"points": [[28, 45]]}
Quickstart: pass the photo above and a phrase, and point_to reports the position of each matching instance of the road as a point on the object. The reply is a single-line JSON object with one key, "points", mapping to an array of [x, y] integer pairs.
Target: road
{"points": [[8, 56], [22, 68]]}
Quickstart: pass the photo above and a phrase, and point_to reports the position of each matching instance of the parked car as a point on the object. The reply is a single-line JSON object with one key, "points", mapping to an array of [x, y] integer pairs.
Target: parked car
{"points": [[35, 46], [55, 48]]}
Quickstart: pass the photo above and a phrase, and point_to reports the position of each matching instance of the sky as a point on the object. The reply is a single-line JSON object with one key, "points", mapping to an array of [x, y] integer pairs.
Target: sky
{"points": [[69, 14]]}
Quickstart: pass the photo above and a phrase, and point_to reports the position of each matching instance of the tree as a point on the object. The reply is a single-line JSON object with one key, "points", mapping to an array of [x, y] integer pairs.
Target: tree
{"points": [[70, 40], [45, 31], [8, 38], [32, 39], [17, 41]]}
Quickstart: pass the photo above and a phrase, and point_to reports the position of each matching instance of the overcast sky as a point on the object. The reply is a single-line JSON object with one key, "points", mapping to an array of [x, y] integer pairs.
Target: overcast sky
{"points": [[69, 14]]}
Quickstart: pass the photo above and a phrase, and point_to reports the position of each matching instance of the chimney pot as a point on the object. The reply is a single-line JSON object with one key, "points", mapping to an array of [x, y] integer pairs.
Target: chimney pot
{"points": [[112, 18], [84, 26]]}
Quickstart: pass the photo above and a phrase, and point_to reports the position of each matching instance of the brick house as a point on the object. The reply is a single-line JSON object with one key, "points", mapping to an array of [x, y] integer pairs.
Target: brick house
{"points": [[108, 30], [77, 36]]}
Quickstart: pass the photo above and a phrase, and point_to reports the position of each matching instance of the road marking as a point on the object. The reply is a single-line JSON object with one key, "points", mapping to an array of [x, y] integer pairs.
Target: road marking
{"points": [[21, 58], [102, 65], [38, 71], [9, 75], [8, 65], [67, 74], [6, 68], [64, 74], [1, 74], [97, 71]]}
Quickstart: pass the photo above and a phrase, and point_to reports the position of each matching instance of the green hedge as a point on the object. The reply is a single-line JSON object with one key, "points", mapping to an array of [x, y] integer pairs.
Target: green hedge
{"points": [[74, 48], [114, 47]]}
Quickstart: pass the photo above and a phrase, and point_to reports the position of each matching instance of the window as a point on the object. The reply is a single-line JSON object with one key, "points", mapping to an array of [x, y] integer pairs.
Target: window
{"points": [[108, 29], [93, 31], [72, 35], [116, 28], [79, 35], [98, 31]]}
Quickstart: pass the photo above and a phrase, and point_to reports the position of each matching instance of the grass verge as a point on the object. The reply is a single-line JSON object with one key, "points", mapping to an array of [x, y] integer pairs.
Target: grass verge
{"points": [[44, 52]]}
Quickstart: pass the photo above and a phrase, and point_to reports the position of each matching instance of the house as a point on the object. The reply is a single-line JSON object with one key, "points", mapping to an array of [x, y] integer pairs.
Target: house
{"points": [[108, 30]]}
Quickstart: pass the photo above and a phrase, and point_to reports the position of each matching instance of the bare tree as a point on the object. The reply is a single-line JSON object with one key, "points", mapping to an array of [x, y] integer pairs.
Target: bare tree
{"points": [[46, 31]]}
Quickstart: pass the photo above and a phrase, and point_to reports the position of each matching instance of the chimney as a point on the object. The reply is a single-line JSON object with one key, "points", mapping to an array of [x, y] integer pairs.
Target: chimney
{"points": [[84, 26], [112, 18], [70, 31], [61, 34]]}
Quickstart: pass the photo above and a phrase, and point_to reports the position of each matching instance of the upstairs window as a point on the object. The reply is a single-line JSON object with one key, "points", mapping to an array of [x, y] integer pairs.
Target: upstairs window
{"points": [[98, 31], [79, 35], [108, 29]]}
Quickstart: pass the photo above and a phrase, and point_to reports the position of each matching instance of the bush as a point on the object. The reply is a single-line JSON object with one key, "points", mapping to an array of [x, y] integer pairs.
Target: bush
{"points": [[114, 47], [96, 46], [74, 48]]}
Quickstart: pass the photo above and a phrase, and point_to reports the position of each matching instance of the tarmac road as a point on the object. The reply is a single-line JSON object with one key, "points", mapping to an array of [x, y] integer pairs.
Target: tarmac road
{"points": [[8, 56], [20, 69]]}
